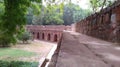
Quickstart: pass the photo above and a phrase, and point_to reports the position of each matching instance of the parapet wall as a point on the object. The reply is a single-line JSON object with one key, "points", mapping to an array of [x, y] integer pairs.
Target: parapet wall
{"points": [[48, 27], [104, 25]]}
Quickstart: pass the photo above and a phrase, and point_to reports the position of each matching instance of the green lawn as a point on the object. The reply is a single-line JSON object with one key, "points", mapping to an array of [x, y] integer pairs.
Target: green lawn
{"points": [[10, 52], [9, 58]]}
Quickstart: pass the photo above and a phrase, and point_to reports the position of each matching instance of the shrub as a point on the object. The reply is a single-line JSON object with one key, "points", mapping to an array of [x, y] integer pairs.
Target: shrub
{"points": [[5, 40], [24, 37]]}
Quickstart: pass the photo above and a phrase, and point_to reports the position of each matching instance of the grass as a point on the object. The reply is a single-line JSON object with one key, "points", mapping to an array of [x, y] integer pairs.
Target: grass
{"points": [[9, 56], [18, 64], [27, 55], [15, 52]]}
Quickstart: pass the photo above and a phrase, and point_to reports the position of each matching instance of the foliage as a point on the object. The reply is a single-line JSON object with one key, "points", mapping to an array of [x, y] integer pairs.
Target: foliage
{"points": [[18, 64], [68, 14], [29, 16], [1, 9], [73, 13], [25, 36], [60, 14], [50, 15], [80, 14], [99, 4], [13, 20]]}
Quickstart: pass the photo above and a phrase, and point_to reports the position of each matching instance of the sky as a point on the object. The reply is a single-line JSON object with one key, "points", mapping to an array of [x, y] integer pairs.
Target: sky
{"points": [[82, 3]]}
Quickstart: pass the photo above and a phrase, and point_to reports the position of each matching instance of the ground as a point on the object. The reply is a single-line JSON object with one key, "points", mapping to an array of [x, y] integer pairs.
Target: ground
{"points": [[79, 50], [26, 52]]}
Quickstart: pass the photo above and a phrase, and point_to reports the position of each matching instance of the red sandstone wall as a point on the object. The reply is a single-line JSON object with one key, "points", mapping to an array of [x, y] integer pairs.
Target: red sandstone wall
{"points": [[49, 27], [49, 32], [104, 25]]}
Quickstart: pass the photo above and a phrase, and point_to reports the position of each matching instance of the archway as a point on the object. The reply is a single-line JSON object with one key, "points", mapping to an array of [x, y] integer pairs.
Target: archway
{"points": [[38, 35], [43, 36], [55, 38], [33, 33], [48, 37]]}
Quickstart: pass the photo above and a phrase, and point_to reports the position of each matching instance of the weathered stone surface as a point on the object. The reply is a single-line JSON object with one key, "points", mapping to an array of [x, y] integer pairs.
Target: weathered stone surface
{"points": [[78, 50]]}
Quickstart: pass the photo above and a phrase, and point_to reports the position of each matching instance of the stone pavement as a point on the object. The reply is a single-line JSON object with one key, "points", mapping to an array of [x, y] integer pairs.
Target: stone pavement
{"points": [[78, 50]]}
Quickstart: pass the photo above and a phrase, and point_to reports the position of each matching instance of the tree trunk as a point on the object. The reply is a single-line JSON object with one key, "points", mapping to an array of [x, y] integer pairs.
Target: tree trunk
{"points": [[103, 5]]}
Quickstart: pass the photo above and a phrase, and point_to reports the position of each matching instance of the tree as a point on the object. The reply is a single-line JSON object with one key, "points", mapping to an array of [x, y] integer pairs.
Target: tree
{"points": [[50, 15], [80, 14], [1, 9], [100, 4], [73, 13], [29, 16], [60, 14], [24, 37], [13, 20], [68, 14]]}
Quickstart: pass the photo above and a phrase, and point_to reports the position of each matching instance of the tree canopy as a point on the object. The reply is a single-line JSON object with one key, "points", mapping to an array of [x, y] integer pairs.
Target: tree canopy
{"points": [[59, 14], [49, 15], [13, 19], [97, 5]]}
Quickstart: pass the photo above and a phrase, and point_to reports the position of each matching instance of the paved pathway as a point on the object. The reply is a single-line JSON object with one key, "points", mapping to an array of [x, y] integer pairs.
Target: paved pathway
{"points": [[78, 50]]}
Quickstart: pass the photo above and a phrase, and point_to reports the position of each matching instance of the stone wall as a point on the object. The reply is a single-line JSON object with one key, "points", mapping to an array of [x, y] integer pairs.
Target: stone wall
{"points": [[104, 24], [48, 33]]}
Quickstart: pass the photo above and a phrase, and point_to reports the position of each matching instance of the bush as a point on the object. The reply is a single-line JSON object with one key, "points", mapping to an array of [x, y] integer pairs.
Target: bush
{"points": [[24, 37], [7, 40], [18, 64]]}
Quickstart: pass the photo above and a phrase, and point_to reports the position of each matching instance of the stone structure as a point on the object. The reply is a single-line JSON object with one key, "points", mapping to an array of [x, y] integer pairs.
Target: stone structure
{"points": [[104, 24], [49, 32]]}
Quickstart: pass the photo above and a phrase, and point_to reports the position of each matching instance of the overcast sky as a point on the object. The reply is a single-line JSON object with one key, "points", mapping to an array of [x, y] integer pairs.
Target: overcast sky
{"points": [[82, 3]]}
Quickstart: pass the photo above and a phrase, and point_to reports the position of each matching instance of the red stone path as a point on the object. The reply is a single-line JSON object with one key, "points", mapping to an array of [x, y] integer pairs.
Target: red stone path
{"points": [[78, 50]]}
